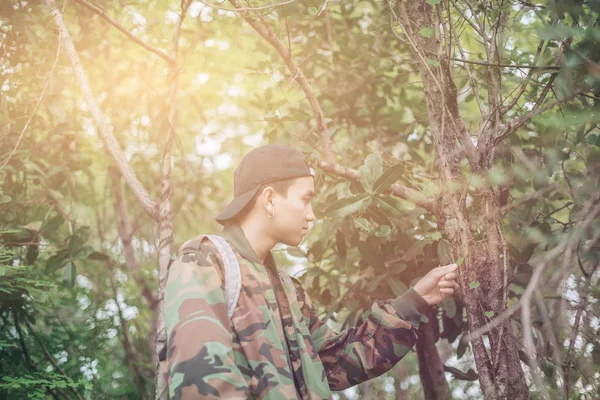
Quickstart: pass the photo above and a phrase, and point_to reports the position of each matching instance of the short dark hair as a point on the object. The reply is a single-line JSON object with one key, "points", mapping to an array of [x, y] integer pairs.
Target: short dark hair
{"points": [[280, 186]]}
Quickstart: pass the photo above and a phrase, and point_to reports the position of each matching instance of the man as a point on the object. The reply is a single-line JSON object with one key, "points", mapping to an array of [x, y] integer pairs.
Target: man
{"points": [[274, 346]]}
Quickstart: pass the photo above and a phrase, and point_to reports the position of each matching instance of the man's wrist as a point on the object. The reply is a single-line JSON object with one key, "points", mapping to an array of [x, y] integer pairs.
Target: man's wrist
{"points": [[410, 306]]}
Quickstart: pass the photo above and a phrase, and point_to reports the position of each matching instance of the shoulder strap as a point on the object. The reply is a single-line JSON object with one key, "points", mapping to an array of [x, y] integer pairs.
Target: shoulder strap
{"points": [[233, 277]]}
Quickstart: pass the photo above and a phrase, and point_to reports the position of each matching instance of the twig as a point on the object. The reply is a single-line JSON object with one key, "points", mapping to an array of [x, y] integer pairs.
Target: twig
{"points": [[323, 8], [487, 64], [159, 52], [471, 79], [524, 199], [240, 9], [523, 85], [468, 20], [522, 120]]}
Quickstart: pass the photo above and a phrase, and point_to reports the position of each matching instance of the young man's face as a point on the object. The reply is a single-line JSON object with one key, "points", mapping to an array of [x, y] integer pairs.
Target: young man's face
{"points": [[294, 212]]}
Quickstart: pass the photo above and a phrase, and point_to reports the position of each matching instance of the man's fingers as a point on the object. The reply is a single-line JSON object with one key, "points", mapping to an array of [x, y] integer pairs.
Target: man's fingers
{"points": [[450, 276], [447, 290], [446, 269], [447, 284]]}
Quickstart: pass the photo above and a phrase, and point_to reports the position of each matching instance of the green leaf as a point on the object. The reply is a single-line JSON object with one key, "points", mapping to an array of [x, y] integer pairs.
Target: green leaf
{"points": [[34, 226], [5, 199], [398, 288], [69, 274], [463, 344], [432, 62], [52, 225], [460, 261], [57, 261], [427, 32], [374, 284], [363, 224], [433, 2], [388, 178], [388, 204], [474, 285], [98, 256], [343, 190], [383, 231], [370, 172], [489, 314], [540, 180], [558, 31], [347, 206], [10, 216], [312, 11]]}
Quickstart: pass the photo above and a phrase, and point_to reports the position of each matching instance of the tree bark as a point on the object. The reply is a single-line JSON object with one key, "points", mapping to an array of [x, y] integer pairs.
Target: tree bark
{"points": [[431, 369], [500, 375]]}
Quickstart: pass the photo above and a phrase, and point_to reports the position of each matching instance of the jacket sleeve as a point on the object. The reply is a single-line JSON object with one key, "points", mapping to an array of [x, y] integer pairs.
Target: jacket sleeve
{"points": [[363, 352], [200, 357]]}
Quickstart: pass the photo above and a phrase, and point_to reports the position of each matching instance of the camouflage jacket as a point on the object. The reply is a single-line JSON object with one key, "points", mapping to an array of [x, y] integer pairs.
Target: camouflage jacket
{"points": [[274, 346]]}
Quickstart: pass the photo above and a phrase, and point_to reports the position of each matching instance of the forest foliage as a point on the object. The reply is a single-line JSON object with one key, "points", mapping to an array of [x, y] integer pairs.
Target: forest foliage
{"points": [[197, 84]]}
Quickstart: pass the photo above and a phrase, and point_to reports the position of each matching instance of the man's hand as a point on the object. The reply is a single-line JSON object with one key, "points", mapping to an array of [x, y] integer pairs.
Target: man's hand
{"points": [[438, 284]]}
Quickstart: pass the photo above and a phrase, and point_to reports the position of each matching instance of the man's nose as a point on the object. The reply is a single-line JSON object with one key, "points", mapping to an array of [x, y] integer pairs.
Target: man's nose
{"points": [[311, 215]]}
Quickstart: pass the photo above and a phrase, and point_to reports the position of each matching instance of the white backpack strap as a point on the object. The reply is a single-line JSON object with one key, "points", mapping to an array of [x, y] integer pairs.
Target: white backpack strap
{"points": [[233, 277]]}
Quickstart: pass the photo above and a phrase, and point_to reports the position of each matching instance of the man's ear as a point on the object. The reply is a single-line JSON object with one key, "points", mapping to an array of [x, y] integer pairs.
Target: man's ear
{"points": [[268, 199]]}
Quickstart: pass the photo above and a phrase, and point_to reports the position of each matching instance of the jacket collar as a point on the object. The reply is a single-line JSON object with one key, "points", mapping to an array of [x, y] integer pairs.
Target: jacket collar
{"points": [[234, 234]]}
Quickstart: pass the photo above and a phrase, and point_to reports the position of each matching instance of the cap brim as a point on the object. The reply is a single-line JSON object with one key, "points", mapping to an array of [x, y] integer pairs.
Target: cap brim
{"points": [[236, 205]]}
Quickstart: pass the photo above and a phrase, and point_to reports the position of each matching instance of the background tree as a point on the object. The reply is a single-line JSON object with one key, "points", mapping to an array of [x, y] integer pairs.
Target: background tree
{"points": [[441, 132]]}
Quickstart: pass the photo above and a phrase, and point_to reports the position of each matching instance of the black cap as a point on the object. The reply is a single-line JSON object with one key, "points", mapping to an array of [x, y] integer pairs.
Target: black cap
{"points": [[262, 165]]}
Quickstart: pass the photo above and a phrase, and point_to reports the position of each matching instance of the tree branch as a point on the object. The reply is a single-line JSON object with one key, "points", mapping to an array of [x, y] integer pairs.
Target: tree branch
{"points": [[476, 28], [238, 9], [552, 67], [126, 234], [518, 122], [328, 164], [267, 33], [403, 192], [523, 86], [165, 214], [159, 52], [102, 123]]}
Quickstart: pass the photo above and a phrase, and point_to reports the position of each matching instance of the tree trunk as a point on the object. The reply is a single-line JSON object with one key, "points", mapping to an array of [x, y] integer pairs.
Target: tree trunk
{"points": [[431, 369], [501, 376]]}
